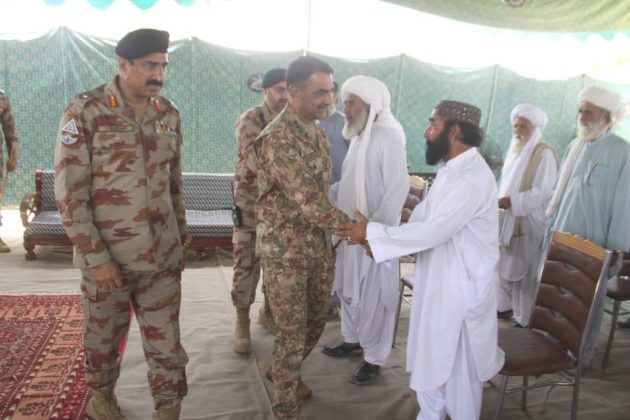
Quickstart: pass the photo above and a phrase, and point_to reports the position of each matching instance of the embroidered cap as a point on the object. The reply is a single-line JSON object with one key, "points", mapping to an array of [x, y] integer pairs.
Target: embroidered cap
{"points": [[459, 111]]}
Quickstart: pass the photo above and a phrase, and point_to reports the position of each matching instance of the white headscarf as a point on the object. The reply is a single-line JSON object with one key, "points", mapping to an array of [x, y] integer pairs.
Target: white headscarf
{"points": [[604, 99], [516, 164], [352, 188]]}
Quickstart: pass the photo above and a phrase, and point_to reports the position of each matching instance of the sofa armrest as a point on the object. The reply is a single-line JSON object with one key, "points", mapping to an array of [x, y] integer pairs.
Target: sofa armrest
{"points": [[29, 208]]}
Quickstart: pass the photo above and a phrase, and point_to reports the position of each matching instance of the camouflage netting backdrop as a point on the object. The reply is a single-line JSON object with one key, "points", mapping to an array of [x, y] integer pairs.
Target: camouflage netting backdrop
{"points": [[209, 85]]}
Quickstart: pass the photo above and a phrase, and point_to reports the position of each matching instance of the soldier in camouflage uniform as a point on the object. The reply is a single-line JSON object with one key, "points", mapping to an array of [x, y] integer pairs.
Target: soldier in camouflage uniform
{"points": [[118, 185], [246, 263], [11, 139], [294, 218]]}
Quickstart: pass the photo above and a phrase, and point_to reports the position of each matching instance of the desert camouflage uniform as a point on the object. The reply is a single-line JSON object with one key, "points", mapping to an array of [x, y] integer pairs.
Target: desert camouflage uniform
{"points": [[10, 137], [294, 216], [118, 185], [246, 262]]}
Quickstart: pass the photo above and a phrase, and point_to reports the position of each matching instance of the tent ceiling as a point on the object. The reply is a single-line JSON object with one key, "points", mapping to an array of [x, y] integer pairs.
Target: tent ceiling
{"points": [[532, 15]]}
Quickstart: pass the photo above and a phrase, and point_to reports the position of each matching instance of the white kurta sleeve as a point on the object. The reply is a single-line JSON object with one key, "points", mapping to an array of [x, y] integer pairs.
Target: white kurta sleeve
{"points": [[448, 216], [526, 202]]}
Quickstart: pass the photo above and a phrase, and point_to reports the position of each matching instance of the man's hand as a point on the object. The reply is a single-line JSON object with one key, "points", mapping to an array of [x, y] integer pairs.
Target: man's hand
{"points": [[353, 233], [505, 203], [107, 275]]}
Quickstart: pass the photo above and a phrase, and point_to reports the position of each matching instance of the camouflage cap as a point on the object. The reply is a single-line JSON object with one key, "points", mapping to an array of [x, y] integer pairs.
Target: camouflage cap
{"points": [[459, 111], [273, 76], [142, 42]]}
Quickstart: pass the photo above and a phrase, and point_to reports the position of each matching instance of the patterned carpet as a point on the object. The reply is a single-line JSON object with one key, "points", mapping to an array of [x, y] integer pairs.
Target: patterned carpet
{"points": [[41, 357]]}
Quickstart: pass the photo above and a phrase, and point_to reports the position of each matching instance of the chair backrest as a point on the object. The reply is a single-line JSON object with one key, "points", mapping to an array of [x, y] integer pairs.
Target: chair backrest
{"points": [[417, 192], [46, 188], [205, 191], [573, 273]]}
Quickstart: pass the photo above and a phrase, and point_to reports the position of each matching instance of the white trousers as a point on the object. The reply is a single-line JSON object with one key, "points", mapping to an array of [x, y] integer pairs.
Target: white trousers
{"points": [[518, 296], [504, 295], [460, 396], [372, 325]]}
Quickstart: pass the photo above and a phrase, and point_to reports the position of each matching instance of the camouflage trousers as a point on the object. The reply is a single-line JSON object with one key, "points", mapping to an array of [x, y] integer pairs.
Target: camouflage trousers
{"points": [[246, 269], [299, 295], [156, 298]]}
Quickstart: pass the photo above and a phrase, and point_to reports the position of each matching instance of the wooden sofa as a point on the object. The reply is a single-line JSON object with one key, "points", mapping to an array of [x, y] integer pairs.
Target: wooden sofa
{"points": [[208, 200]]}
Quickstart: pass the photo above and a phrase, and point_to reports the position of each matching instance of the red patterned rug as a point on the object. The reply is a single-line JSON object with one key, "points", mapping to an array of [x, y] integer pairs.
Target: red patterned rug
{"points": [[41, 357]]}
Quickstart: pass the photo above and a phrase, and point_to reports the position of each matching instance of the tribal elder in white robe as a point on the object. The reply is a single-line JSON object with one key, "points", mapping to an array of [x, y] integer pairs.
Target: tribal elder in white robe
{"points": [[374, 180], [528, 178], [592, 198], [452, 347]]}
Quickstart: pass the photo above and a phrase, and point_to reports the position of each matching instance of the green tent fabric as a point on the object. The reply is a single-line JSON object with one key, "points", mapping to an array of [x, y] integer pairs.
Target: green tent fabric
{"points": [[208, 84], [532, 15]]}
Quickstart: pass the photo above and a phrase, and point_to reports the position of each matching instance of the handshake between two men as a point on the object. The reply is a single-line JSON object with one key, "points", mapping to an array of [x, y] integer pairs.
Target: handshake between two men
{"points": [[355, 233]]}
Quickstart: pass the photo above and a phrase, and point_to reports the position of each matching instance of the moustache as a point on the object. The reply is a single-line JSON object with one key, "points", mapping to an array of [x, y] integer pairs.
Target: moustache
{"points": [[154, 83], [322, 106]]}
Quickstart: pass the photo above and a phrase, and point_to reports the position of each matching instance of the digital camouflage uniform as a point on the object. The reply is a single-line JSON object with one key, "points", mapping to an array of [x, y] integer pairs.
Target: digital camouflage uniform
{"points": [[118, 185], [294, 216], [246, 262], [10, 139]]}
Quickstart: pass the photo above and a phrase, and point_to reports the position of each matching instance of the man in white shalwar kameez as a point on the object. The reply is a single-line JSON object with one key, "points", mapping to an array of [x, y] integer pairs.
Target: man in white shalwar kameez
{"points": [[592, 198], [528, 178], [374, 180], [452, 347]]}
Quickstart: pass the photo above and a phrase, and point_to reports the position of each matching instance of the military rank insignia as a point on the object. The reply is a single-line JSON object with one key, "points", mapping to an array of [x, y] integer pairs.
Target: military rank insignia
{"points": [[157, 105], [112, 102]]}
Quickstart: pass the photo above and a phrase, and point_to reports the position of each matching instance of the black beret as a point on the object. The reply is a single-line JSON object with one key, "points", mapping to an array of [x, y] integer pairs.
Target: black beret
{"points": [[274, 76], [142, 42]]}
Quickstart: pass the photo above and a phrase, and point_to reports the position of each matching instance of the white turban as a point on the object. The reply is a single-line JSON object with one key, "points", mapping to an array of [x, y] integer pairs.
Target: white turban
{"points": [[371, 91], [532, 113], [374, 93], [604, 99]]}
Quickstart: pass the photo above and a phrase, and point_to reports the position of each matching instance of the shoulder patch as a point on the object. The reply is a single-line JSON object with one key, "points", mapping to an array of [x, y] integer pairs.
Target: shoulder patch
{"points": [[70, 127], [68, 140]]}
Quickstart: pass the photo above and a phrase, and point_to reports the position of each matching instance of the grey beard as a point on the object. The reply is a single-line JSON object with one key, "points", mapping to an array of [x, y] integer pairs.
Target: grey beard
{"points": [[591, 131], [355, 128]]}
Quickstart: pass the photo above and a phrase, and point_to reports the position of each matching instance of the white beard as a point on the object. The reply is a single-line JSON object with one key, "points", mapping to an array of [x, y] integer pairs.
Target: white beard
{"points": [[351, 129], [591, 131], [518, 142]]}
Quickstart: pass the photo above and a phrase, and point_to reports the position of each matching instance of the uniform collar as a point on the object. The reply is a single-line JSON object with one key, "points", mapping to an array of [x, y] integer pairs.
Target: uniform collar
{"points": [[114, 98], [291, 116], [267, 112]]}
